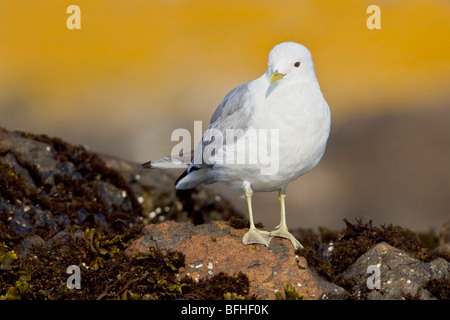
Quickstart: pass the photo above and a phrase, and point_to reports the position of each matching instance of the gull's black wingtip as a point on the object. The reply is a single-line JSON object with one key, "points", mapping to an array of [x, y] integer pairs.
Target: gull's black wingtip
{"points": [[147, 165], [184, 174]]}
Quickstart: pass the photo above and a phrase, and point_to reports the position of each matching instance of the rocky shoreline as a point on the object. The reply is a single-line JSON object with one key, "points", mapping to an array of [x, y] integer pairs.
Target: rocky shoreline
{"points": [[133, 236]]}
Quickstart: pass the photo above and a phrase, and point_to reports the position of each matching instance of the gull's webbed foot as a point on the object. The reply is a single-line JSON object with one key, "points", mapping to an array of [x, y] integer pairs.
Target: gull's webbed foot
{"points": [[257, 236], [284, 233]]}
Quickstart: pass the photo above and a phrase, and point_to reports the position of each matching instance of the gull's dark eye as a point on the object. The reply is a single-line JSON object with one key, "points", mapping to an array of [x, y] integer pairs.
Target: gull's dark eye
{"points": [[297, 64]]}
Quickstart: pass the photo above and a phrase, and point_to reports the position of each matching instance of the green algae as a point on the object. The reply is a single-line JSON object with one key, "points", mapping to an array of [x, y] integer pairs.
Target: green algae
{"points": [[289, 293], [7, 257], [107, 272]]}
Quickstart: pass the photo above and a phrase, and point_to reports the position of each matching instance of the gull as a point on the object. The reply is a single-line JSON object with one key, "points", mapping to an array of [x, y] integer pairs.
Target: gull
{"points": [[287, 102]]}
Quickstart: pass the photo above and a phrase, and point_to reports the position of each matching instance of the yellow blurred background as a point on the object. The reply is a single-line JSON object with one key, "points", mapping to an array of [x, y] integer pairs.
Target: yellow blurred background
{"points": [[138, 69]]}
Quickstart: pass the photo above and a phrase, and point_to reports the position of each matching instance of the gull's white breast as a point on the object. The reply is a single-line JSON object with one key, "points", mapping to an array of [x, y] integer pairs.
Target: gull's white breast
{"points": [[301, 116]]}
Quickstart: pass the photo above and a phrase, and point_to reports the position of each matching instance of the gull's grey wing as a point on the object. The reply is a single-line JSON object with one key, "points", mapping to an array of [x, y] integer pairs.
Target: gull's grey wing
{"points": [[233, 113]]}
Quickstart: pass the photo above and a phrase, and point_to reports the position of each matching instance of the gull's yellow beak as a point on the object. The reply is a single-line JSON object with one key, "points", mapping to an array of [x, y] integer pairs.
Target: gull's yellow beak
{"points": [[275, 76]]}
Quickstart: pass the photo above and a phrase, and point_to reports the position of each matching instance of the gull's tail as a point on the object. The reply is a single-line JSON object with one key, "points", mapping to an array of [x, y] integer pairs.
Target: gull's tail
{"points": [[166, 163], [191, 177]]}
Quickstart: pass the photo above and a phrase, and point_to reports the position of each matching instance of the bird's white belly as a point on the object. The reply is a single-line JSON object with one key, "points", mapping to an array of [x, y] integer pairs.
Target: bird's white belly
{"points": [[301, 142]]}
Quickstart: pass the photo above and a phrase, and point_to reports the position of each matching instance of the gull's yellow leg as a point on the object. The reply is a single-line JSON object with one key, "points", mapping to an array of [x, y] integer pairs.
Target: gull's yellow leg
{"points": [[253, 235], [282, 230]]}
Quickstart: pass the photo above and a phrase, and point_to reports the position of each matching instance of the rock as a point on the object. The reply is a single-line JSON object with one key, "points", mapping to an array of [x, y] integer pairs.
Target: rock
{"points": [[27, 245], [160, 201], [444, 234], [401, 275], [442, 251], [216, 247], [48, 184]]}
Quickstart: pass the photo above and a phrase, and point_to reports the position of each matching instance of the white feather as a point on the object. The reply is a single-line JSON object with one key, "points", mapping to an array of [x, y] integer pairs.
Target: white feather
{"points": [[166, 163]]}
